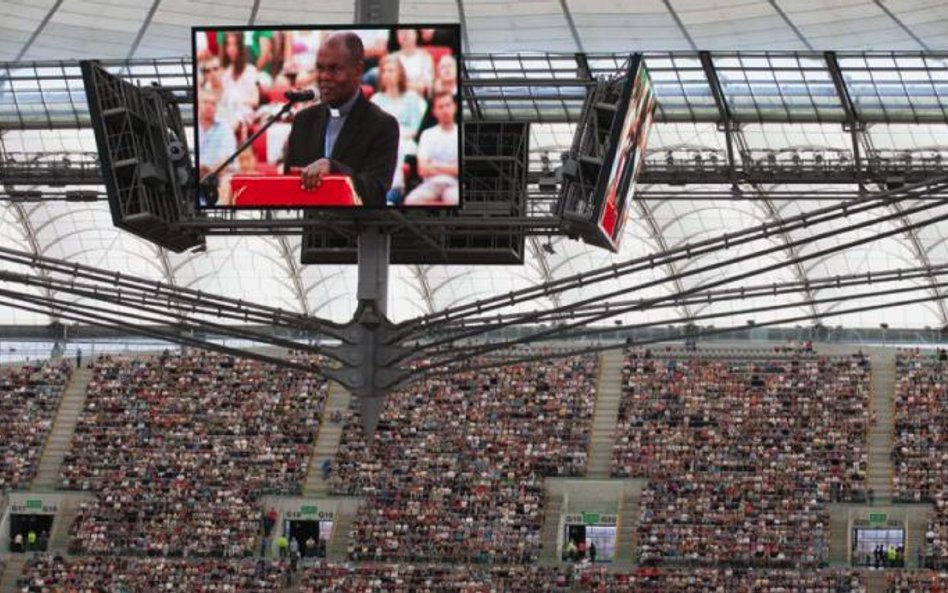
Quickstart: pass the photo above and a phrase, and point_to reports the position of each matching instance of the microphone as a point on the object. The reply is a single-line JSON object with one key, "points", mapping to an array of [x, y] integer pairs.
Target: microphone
{"points": [[295, 96]]}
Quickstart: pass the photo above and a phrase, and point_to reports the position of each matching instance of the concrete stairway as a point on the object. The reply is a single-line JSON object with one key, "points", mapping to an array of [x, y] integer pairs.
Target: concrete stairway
{"points": [[881, 434], [61, 434], [916, 523], [550, 532], [338, 548], [68, 511], [327, 442], [627, 525], [875, 581], [608, 396], [12, 572], [839, 535]]}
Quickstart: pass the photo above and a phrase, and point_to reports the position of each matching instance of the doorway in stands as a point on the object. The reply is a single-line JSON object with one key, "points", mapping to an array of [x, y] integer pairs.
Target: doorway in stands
{"points": [[879, 547], [40, 526], [588, 531], [303, 530]]}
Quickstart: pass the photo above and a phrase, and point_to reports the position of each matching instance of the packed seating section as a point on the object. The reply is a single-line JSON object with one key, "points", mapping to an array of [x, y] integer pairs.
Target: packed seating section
{"points": [[920, 453], [29, 398], [460, 479], [47, 573], [924, 581], [742, 454], [403, 578], [179, 449], [456, 471]]}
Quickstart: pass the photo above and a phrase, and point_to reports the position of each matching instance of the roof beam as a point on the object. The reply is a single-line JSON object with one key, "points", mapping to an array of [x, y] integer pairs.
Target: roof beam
{"points": [[39, 29], [902, 25], [681, 25], [295, 273], [141, 31], [659, 239], [793, 27], [572, 26], [544, 267], [424, 287]]}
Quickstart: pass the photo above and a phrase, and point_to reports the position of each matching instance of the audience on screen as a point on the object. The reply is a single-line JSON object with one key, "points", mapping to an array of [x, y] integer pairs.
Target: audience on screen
{"points": [[408, 107], [249, 71]]}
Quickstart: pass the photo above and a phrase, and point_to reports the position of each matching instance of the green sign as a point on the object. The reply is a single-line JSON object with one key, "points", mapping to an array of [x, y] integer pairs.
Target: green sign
{"points": [[591, 518], [309, 510], [34, 504], [878, 517]]}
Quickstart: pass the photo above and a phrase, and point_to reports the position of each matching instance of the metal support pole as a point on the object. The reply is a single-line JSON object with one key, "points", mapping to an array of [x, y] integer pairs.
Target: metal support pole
{"points": [[372, 292], [373, 259]]}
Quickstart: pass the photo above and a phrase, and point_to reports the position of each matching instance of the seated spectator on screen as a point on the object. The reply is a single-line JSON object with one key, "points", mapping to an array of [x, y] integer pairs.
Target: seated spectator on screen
{"points": [[408, 107], [438, 158]]}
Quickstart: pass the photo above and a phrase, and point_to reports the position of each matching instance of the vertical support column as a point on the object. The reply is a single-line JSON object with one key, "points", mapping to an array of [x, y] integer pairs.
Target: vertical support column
{"points": [[373, 259], [374, 252]]}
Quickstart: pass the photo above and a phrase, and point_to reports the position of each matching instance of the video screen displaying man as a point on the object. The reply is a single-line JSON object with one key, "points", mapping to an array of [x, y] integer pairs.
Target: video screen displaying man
{"points": [[365, 122], [344, 133]]}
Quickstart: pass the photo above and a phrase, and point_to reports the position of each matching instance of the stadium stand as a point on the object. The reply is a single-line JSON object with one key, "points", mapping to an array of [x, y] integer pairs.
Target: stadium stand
{"points": [[29, 396], [405, 578], [456, 471], [921, 426], [180, 448], [46, 573], [924, 581], [742, 454]]}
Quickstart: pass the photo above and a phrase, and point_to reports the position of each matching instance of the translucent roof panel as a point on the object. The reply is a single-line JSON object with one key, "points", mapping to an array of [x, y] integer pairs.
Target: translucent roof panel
{"points": [[846, 25], [766, 87], [91, 29], [914, 88], [626, 24], [18, 24], [170, 26], [736, 24], [498, 25]]}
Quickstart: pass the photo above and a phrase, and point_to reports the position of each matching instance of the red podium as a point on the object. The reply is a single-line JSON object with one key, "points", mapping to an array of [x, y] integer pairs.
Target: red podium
{"points": [[285, 191]]}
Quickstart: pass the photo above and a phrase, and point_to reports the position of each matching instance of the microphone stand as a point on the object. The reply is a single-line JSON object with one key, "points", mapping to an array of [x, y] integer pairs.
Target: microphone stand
{"points": [[208, 183]]}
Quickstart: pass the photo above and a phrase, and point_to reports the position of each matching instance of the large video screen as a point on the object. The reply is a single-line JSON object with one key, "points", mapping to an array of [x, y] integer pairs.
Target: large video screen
{"points": [[328, 117], [630, 140]]}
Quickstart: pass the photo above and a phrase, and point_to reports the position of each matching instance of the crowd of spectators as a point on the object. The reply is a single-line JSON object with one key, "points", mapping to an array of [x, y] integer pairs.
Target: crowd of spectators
{"points": [[924, 581], [179, 449], [720, 580], [742, 454], [29, 397], [243, 75], [439, 578], [921, 425], [456, 470], [420, 578], [920, 452], [47, 573]]}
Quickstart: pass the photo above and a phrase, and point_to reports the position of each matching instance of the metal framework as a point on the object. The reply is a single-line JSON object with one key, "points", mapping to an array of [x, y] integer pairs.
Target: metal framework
{"points": [[728, 89], [797, 87]]}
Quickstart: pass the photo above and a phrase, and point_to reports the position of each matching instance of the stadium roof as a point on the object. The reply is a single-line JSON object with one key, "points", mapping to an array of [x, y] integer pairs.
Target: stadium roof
{"points": [[267, 269]]}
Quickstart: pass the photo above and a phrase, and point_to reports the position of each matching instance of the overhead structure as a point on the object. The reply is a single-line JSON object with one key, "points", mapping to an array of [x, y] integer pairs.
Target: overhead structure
{"points": [[743, 138]]}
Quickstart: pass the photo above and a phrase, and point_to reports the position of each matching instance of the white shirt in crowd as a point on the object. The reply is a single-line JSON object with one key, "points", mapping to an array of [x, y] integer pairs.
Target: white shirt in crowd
{"points": [[440, 147]]}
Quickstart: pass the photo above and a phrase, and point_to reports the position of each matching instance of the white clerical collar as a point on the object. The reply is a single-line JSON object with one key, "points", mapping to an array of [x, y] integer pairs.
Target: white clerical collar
{"points": [[345, 108]]}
